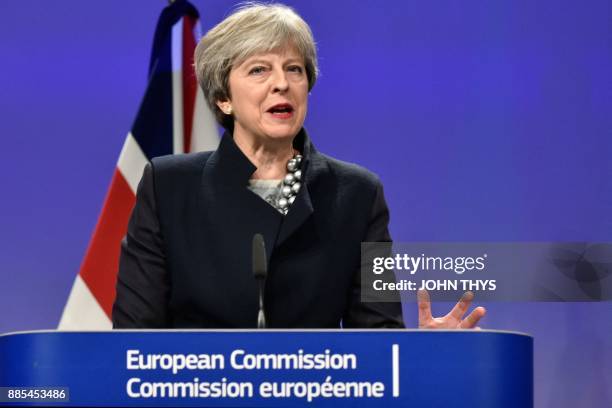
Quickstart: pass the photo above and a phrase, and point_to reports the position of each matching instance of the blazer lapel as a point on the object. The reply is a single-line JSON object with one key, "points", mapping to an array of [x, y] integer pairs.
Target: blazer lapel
{"points": [[297, 215], [313, 166], [224, 191], [239, 211]]}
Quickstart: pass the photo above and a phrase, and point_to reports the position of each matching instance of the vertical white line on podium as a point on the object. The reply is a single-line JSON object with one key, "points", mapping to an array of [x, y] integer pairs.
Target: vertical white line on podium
{"points": [[395, 369]]}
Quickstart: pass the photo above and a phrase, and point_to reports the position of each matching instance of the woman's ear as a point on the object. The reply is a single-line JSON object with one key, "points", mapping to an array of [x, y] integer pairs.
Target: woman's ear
{"points": [[225, 106]]}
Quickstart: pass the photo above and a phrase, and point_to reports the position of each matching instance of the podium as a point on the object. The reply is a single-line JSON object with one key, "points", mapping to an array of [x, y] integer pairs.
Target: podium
{"points": [[267, 368]]}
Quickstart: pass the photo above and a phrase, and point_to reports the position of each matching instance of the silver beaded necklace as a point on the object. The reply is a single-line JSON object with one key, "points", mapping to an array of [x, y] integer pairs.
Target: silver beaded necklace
{"points": [[290, 186]]}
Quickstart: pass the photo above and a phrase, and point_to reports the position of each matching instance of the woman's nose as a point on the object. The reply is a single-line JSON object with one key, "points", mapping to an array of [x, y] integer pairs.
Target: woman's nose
{"points": [[280, 83]]}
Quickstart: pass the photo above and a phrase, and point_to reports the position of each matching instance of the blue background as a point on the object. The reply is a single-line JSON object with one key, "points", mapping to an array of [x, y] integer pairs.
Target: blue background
{"points": [[486, 121]]}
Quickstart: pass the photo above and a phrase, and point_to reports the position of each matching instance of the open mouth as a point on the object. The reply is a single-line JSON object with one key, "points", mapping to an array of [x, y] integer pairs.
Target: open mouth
{"points": [[281, 111]]}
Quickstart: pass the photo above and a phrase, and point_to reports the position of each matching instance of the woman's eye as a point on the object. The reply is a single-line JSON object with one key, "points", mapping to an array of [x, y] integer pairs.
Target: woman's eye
{"points": [[256, 70], [296, 68]]}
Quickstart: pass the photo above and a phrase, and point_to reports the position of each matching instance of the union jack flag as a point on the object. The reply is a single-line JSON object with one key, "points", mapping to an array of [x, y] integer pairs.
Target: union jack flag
{"points": [[173, 118]]}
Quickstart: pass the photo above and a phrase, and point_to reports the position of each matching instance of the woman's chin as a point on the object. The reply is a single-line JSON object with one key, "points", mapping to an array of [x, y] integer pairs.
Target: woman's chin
{"points": [[282, 132]]}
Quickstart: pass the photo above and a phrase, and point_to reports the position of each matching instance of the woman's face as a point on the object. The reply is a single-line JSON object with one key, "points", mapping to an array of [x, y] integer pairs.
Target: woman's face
{"points": [[269, 95]]}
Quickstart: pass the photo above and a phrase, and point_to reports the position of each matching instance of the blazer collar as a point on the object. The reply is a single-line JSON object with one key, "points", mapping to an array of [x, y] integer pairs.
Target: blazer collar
{"points": [[234, 166], [232, 169]]}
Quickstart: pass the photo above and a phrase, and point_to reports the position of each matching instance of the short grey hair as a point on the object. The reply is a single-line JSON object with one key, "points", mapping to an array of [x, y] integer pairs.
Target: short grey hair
{"points": [[251, 29]]}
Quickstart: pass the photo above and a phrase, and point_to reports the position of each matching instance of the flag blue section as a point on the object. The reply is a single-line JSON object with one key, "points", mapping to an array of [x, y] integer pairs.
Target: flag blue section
{"points": [[153, 125], [169, 16]]}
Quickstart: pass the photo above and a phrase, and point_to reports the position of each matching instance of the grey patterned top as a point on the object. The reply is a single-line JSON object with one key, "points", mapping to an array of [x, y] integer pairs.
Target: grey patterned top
{"points": [[269, 190]]}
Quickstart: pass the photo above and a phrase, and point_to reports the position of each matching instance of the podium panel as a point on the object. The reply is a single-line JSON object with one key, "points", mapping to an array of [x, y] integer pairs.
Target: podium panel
{"points": [[268, 368]]}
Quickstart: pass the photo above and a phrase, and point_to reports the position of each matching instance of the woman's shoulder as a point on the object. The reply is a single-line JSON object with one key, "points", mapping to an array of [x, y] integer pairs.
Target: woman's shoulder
{"points": [[178, 171], [350, 173], [180, 163]]}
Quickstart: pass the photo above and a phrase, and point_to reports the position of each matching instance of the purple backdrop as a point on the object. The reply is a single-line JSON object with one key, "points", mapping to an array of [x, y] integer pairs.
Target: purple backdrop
{"points": [[485, 121]]}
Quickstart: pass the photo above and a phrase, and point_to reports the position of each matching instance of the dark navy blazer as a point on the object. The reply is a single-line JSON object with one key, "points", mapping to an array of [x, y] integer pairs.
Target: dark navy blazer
{"points": [[186, 259]]}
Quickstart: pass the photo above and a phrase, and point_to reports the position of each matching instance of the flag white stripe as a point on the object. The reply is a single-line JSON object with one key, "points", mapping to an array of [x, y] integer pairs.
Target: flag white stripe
{"points": [[82, 311], [177, 88], [132, 162], [204, 135]]}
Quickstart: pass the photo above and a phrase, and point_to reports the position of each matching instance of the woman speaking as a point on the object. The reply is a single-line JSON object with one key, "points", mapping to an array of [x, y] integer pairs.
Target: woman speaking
{"points": [[186, 258]]}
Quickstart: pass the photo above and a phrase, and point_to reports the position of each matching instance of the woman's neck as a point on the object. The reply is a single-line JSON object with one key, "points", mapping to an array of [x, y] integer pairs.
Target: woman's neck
{"points": [[270, 157]]}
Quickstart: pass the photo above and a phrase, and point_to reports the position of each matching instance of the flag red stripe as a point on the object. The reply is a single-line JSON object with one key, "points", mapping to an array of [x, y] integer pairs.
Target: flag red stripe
{"points": [[99, 268], [189, 79]]}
